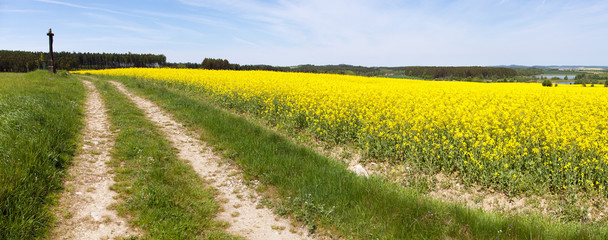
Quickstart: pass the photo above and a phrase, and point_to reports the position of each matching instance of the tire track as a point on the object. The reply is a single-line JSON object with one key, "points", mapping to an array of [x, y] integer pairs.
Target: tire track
{"points": [[238, 202], [83, 208]]}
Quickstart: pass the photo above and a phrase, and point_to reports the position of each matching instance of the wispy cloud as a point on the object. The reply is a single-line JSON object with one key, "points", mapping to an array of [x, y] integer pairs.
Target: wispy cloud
{"points": [[186, 17], [67, 4], [466, 31], [362, 32], [180, 31], [246, 42], [111, 22], [20, 11]]}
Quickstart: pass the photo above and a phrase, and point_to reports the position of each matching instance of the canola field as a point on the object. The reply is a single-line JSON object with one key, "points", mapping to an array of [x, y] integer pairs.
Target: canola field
{"points": [[514, 136]]}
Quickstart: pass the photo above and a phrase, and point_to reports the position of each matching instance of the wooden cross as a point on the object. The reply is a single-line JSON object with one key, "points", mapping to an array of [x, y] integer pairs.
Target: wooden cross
{"points": [[51, 34]]}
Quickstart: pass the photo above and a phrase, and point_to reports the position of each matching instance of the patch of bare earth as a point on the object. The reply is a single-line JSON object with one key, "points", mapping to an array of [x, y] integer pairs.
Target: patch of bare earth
{"points": [[551, 205], [240, 205], [448, 189], [82, 211]]}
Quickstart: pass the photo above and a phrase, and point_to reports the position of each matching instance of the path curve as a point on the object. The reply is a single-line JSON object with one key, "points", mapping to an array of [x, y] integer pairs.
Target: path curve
{"points": [[237, 200], [82, 211]]}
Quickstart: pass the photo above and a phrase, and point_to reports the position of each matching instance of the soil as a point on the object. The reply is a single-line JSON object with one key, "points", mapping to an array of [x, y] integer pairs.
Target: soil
{"points": [[240, 204], [447, 188], [83, 210]]}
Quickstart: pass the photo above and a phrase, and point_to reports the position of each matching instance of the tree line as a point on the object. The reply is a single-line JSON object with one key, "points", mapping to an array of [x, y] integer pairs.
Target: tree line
{"points": [[420, 72], [589, 78], [25, 61], [458, 72], [223, 64]]}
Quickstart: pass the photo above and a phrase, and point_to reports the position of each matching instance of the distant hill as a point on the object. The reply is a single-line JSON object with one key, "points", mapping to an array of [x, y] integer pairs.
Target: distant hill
{"points": [[569, 67]]}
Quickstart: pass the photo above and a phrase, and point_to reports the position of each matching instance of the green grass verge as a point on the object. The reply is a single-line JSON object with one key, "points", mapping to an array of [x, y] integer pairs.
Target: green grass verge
{"points": [[40, 119], [324, 194], [163, 194]]}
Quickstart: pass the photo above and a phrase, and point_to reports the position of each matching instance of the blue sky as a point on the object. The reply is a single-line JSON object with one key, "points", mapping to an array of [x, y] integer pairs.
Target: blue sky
{"points": [[292, 32]]}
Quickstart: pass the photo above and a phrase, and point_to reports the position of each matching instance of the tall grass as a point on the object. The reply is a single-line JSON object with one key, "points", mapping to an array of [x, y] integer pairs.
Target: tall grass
{"points": [[324, 194], [40, 117], [164, 195]]}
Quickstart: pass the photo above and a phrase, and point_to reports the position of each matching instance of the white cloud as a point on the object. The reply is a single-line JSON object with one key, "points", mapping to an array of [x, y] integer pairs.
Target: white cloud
{"points": [[20, 11], [246, 42], [187, 17], [79, 6]]}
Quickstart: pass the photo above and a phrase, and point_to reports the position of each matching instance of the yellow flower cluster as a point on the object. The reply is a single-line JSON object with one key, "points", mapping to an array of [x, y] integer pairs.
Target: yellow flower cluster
{"points": [[504, 134]]}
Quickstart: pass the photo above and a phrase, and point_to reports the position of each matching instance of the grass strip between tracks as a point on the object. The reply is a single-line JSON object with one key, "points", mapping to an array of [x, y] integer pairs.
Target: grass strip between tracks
{"points": [[163, 194], [41, 115], [324, 194]]}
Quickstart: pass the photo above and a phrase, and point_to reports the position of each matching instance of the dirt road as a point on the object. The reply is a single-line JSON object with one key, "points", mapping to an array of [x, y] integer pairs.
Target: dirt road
{"points": [[82, 211], [240, 203]]}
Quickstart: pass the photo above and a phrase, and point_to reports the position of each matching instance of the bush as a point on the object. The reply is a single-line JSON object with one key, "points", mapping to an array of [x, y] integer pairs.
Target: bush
{"points": [[547, 83]]}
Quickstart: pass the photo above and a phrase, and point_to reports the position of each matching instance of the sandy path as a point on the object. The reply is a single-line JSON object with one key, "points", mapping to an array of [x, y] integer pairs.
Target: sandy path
{"points": [[237, 200], [83, 208]]}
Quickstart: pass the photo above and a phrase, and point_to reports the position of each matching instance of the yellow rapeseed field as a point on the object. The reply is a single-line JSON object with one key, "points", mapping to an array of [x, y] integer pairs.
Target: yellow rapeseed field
{"points": [[510, 135]]}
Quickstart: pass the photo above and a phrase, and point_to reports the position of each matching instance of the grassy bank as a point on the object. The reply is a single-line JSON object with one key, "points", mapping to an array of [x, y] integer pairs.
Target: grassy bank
{"points": [[40, 117], [325, 195], [163, 194]]}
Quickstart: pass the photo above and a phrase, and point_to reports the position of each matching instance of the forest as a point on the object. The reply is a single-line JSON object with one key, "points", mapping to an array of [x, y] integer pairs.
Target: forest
{"points": [[416, 71], [457, 72], [25, 61]]}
